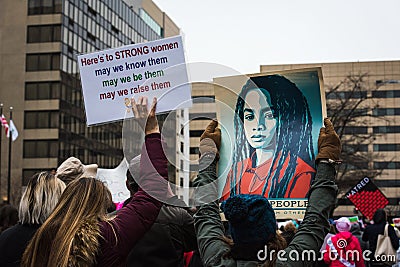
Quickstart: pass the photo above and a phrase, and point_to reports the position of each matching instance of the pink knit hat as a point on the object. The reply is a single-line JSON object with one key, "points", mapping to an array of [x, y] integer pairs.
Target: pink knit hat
{"points": [[343, 224]]}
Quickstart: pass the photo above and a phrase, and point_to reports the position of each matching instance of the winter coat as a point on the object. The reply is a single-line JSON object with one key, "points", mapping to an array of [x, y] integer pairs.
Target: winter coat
{"points": [[165, 243], [13, 243], [347, 247], [310, 235], [356, 231], [371, 235], [120, 234]]}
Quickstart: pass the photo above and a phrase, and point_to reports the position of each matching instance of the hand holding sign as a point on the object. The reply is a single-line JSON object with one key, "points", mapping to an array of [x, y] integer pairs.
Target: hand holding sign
{"points": [[147, 120]]}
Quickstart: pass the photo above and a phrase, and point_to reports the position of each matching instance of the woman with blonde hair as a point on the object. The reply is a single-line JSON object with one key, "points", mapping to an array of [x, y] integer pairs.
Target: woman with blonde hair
{"points": [[78, 233], [38, 201]]}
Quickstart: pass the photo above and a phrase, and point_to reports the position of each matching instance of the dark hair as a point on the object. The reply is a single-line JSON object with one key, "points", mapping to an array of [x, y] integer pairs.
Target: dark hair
{"points": [[133, 185], [379, 216], [293, 135], [8, 217]]}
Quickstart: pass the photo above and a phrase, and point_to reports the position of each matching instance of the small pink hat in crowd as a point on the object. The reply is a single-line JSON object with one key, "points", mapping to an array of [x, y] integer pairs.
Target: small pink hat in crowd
{"points": [[343, 224]]}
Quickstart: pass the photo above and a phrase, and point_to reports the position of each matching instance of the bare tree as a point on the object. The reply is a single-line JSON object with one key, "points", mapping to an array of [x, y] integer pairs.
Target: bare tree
{"points": [[350, 107]]}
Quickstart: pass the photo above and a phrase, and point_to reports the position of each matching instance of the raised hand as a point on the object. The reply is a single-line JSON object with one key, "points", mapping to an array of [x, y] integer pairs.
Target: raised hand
{"points": [[147, 120], [329, 146], [210, 140]]}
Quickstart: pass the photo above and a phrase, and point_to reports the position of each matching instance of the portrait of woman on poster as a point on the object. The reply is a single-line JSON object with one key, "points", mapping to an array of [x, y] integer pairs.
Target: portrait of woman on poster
{"points": [[273, 151]]}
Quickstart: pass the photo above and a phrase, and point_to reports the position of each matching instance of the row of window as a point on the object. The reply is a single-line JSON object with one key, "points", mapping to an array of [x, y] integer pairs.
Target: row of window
{"points": [[387, 165], [36, 7], [42, 62], [44, 33], [386, 147], [363, 94], [41, 119], [204, 99], [386, 129], [42, 90], [386, 111]]}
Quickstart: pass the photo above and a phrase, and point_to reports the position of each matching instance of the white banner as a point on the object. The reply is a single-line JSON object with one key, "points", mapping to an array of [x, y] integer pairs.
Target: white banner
{"points": [[110, 78]]}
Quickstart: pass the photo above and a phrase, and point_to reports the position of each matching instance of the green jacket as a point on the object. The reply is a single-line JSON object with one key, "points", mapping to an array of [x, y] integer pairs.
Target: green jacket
{"points": [[309, 237]]}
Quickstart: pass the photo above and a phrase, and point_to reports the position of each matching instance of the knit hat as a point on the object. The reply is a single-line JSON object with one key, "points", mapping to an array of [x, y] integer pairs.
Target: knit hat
{"points": [[72, 168], [343, 224], [251, 219]]}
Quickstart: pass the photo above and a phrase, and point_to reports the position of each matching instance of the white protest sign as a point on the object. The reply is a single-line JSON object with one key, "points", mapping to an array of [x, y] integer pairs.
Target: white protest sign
{"points": [[110, 78]]}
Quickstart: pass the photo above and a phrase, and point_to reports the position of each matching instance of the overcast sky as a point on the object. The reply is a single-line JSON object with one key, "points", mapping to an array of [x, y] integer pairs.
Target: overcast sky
{"points": [[246, 34]]}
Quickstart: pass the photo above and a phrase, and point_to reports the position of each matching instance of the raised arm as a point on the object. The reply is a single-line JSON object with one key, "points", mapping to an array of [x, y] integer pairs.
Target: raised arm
{"points": [[323, 192], [208, 225], [133, 220]]}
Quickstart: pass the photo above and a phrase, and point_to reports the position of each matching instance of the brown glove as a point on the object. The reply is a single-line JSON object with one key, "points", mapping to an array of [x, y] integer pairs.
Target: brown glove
{"points": [[329, 146], [210, 140]]}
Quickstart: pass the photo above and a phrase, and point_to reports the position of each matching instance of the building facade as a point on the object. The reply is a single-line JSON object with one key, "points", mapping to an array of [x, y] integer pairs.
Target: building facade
{"points": [[39, 76]]}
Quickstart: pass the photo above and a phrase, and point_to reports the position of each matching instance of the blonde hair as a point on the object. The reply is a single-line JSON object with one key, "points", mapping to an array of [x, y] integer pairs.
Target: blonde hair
{"points": [[83, 201], [40, 197]]}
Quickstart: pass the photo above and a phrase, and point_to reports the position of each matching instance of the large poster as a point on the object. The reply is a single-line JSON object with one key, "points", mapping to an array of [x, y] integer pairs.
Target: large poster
{"points": [[270, 125], [110, 79], [367, 197]]}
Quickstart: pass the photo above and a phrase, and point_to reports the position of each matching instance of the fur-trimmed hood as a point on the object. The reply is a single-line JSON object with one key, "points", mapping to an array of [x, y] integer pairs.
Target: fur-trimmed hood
{"points": [[85, 245]]}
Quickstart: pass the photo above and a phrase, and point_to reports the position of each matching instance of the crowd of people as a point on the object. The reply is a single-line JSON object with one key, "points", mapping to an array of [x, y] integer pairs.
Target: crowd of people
{"points": [[67, 219]]}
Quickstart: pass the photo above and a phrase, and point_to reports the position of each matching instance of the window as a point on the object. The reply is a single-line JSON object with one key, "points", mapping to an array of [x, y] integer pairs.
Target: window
{"points": [[182, 147], [387, 165], [44, 33], [40, 148], [202, 116], [36, 7], [386, 129], [38, 62], [355, 130], [387, 147], [386, 111], [196, 133], [355, 148], [41, 119], [194, 150], [386, 94], [42, 90], [204, 99], [346, 95]]}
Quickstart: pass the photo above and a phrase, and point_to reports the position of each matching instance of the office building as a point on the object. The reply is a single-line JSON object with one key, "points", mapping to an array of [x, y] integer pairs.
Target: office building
{"points": [[39, 78]]}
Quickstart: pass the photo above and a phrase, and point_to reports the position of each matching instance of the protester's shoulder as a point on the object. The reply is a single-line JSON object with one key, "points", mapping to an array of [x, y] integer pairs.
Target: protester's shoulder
{"points": [[173, 214]]}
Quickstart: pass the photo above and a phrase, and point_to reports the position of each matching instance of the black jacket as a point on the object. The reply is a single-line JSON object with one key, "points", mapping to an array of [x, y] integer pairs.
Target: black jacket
{"points": [[164, 244], [13, 242], [371, 235]]}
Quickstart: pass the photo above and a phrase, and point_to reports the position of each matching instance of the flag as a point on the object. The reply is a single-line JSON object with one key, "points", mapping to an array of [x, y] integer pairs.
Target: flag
{"points": [[13, 130], [4, 123]]}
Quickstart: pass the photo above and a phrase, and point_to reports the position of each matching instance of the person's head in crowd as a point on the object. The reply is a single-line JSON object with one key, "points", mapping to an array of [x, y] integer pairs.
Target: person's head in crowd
{"points": [[72, 168], [290, 227], [83, 203], [53, 171], [8, 217], [379, 216], [355, 228], [343, 224], [132, 174], [252, 224], [40, 198]]}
